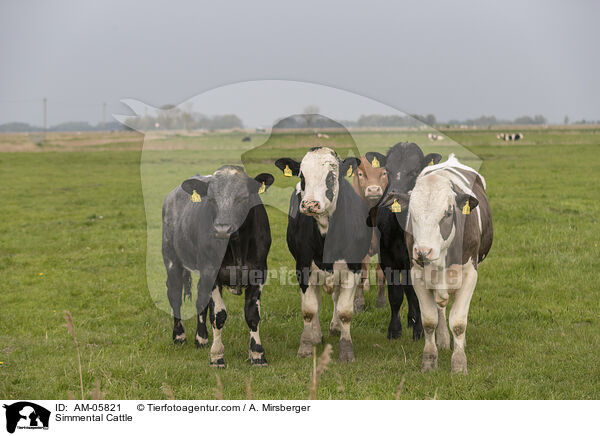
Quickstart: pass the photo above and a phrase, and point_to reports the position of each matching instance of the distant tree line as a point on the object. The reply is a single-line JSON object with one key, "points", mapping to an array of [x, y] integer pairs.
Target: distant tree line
{"points": [[71, 126]]}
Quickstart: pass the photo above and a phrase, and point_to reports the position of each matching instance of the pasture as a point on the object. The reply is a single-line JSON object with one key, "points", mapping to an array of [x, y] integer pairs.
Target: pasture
{"points": [[73, 236]]}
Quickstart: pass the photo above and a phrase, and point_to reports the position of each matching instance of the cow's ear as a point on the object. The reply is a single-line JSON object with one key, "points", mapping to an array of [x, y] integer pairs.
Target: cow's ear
{"points": [[466, 203], [432, 159], [353, 162], [288, 166], [376, 159], [191, 185], [264, 181]]}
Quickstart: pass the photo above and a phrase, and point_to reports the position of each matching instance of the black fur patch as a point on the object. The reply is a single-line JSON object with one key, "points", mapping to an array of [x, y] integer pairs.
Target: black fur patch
{"points": [[220, 319], [256, 348], [330, 181]]}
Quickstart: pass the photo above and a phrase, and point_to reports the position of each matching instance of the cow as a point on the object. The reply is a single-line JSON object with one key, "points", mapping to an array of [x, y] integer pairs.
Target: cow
{"points": [[434, 137], [449, 232], [246, 139], [510, 136], [370, 181], [403, 162], [328, 237], [217, 226]]}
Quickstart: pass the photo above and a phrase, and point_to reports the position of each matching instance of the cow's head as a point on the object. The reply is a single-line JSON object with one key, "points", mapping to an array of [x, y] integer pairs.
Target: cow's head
{"points": [[436, 216], [230, 193], [404, 163], [371, 177], [320, 172]]}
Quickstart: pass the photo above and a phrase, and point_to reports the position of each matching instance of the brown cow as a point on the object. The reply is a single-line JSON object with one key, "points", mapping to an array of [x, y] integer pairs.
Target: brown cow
{"points": [[370, 182]]}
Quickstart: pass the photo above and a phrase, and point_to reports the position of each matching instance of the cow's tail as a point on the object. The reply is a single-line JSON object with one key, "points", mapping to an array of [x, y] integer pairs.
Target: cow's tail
{"points": [[187, 285]]}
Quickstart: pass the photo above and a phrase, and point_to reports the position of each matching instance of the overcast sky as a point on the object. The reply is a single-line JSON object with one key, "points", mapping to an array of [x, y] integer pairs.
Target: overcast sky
{"points": [[453, 59]]}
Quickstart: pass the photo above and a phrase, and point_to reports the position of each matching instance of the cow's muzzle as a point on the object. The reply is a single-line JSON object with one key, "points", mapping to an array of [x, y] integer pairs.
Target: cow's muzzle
{"points": [[223, 231], [310, 207], [373, 193]]}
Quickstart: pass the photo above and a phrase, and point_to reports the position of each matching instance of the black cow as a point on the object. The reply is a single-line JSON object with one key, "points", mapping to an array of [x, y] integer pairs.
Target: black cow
{"points": [[403, 162], [217, 226], [328, 236]]}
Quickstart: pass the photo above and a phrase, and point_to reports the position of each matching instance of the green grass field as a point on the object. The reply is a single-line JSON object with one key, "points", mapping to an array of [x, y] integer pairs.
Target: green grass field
{"points": [[73, 236]]}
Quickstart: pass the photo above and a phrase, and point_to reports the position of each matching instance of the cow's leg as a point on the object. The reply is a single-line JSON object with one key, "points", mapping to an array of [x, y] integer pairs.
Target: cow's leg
{"points": [[310, 311], [363, 286], [414, 314], [335, 326], [443, 336], [252, 315], [429, 319], [458, 318], [201, 339], [395, 296], [345, 311], [174, 292], [218, 315], [380, 287]]}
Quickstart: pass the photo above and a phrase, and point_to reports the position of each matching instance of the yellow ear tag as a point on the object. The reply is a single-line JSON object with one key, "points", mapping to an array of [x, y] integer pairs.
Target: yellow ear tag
{"points": [[430, 163], [196, 197], [375, 162], [287, 172], [466, 208], [349, 172], [262, 188], [396, 207]]}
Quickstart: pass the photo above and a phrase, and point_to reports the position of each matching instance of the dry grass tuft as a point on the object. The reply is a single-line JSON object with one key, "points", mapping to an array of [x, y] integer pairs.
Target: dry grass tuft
{"points": [[249, 388], [168, 391], [219, 388], [319, 368], [71, 328], [97, 394], [400, 386]]}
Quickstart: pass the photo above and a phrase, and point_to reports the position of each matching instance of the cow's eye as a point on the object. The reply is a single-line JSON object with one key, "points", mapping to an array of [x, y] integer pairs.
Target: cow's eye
{"points": [[360, 174], [383, 174]]}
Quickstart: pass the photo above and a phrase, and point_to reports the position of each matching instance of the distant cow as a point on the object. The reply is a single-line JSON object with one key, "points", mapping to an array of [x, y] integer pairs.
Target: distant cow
{"points": [[328, 237], [510, 136], [434, 137], [322, 135], [246, 139], [370, 180], [403, 162], [217, 226], [449, 233]]}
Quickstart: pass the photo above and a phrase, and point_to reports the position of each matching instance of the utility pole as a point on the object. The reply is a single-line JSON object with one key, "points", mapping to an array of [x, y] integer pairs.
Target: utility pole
{"points": [[104, 116], [45, 119]]}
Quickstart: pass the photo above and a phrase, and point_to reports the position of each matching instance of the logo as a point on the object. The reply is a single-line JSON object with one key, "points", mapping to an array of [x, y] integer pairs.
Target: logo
{"points": [[26, 415]]}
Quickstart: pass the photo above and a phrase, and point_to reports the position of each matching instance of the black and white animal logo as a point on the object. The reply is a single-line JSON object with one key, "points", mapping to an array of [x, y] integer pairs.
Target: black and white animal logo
{"points": [[26, 415]]}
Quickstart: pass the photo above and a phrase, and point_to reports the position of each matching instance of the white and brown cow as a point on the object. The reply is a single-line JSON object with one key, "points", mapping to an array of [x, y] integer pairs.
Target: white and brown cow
{"points": [[370, 182], [449, 232]]}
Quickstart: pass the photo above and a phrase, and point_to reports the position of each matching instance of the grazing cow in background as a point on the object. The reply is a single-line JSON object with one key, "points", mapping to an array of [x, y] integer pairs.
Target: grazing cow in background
{"points": [[218, 227], [328, 236], [449, 232], [246, 139], [434, 137], [404, 161], [322, 135], [510, 136], [370, 181]]}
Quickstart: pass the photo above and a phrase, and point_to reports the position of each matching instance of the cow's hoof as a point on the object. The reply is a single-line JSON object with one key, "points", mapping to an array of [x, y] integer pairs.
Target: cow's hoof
{"points": [[346, 351], [305, 349], [417, 333], [381, 302], [459, 362], [394, 334], [201, 342], [443, 342], [261, 361], [218, 363], [429, 362], [179, 339], [359, 305]]}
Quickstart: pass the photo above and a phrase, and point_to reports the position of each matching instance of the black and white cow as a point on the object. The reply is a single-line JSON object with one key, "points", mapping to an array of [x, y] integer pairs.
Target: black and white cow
{"points": [[449, 233], [217, 226], [328, 236], [510, 136], [403, 162]]}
